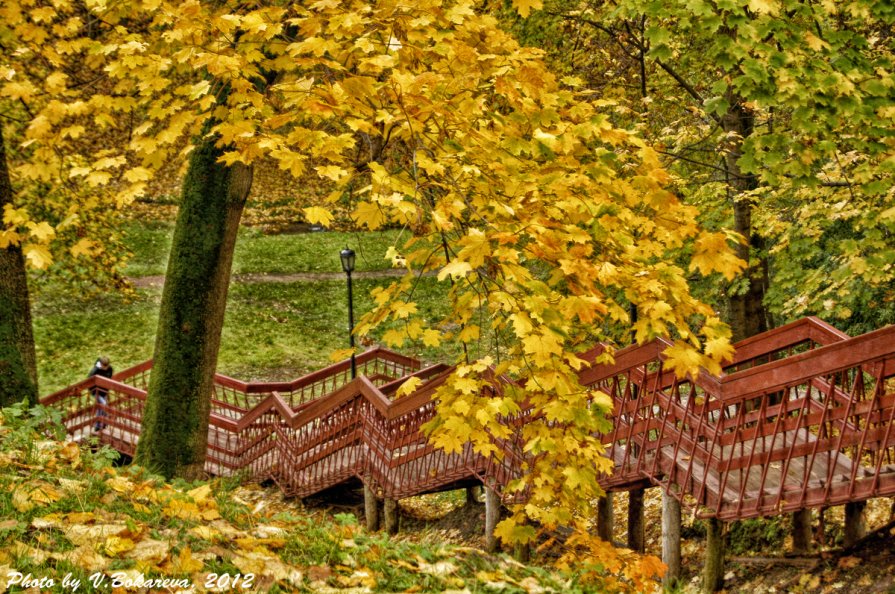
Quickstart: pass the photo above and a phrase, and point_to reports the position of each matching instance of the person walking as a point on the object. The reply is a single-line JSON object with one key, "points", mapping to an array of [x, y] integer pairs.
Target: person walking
{"points": [[102, 367]]}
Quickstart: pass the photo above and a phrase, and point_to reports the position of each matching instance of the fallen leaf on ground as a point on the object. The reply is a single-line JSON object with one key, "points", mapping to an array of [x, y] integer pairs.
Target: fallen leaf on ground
{"points": [[84, 557], [440, 568], [319, 573], [116, 545], [205, 533], [87, 535], [149, 551], [38, 556], [183, 563]]}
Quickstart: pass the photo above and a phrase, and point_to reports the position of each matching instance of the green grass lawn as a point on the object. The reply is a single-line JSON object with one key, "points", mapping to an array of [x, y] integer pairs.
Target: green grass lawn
{"points": [[259, 253], [272, 331]]}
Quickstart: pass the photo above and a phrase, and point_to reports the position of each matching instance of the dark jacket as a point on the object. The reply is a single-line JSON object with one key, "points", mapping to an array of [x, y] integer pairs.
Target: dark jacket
{"points": [[97, 370]]}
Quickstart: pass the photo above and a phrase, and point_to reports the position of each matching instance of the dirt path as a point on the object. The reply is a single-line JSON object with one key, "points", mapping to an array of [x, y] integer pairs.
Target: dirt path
{"points": [[297, 277]]}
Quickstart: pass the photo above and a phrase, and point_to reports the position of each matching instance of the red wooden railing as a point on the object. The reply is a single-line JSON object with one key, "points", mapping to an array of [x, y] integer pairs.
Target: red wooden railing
{"points": [[802, 417]]}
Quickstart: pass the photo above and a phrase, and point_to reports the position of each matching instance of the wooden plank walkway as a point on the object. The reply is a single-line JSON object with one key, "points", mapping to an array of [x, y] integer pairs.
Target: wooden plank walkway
{"points": [[804, 416]]}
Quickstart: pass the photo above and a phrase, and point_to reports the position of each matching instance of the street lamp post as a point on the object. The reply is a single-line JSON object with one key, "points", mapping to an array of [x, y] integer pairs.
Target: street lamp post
{"points": [[347, 257]]}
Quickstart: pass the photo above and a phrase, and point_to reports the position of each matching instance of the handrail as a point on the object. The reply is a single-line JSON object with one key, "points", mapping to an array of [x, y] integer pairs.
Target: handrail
{"points": [[838, 356], [788, 425]]}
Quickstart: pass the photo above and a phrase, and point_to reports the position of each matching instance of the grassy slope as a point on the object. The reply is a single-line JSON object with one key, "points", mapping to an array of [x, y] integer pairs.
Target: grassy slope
{"points": [[68, 512]]}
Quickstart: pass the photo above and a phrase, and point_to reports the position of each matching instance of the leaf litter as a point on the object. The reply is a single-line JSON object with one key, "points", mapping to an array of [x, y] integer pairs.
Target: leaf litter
{"points": [[70, 513]]}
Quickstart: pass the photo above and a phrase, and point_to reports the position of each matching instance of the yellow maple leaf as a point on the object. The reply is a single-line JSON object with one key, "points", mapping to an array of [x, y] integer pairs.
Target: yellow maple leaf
{"points": [[38, 256], [409, 387], [119, 484], [764, 6], [183, 563], [431, 337], [403, 309], [455, 269], [683, 359], [341, 354], [541, 346], [200, 494], [185, 510], [526, 6], [318, 215], [713, 254], [42, 231], [115, 545], [369, 215], [394, 337], [204, 532]]}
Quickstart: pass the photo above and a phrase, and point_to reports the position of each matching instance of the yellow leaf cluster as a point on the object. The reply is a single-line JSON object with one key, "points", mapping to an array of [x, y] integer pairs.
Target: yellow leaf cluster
{"points": [[541, 220]]}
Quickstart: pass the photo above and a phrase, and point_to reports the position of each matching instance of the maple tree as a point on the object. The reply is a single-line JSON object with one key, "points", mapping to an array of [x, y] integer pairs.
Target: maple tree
{"points": [[543, 219], [60, 182], [774, 117]]}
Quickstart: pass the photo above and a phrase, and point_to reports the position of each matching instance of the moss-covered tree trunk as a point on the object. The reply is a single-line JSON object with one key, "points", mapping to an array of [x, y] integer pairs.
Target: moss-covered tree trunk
{"points": [[175, 421], [748, 314], [18, 362]]}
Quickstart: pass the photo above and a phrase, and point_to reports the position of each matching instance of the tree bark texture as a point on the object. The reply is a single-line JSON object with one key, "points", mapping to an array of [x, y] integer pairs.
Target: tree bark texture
{"points": [[371, 506], [713, 571], [175, 422], [605, 518], [855, 523], [748, 315], [636, 536], [18, 362], [801, 531], [472, 496], [492, 517], [671, 539], [390, 511]]}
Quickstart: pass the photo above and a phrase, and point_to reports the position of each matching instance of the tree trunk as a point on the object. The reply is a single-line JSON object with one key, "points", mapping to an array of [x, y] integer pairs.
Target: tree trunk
{"points": [[175, 422], [748, 315], [18, 362]]}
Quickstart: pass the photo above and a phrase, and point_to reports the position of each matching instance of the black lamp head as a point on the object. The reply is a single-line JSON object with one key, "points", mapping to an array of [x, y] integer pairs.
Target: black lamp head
{"points": [[347, 257]]}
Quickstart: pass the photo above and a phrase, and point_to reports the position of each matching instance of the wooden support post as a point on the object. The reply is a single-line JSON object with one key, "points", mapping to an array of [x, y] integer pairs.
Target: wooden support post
{"points": [[472, 495], [801, 531], [635, 520], [855, 524], [390, 510], [671, 539], [371, 506], [492, 516], [820, 535], [713, 571], [605, 518]]}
